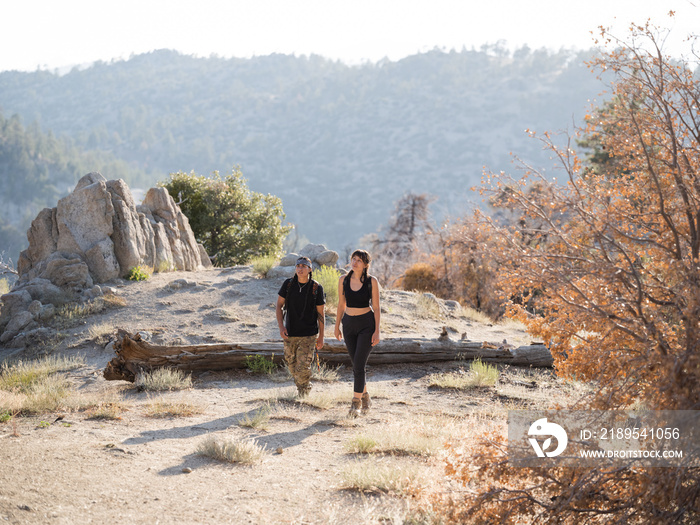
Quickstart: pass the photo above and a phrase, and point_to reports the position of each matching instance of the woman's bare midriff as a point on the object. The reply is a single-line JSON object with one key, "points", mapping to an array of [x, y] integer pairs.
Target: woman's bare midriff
{"points": [[356, 311]]}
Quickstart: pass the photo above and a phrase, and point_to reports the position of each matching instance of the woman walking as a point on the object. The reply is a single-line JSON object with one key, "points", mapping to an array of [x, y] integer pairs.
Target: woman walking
{"points": [[359, 313]]}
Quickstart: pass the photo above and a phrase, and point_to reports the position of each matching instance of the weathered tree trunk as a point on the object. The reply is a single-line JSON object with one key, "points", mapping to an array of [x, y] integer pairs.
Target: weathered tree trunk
{"points": [[135, 355]]}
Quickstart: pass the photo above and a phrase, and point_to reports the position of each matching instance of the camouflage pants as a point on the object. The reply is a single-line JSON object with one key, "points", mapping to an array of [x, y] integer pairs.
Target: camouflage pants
{"points": [[299, 354]]}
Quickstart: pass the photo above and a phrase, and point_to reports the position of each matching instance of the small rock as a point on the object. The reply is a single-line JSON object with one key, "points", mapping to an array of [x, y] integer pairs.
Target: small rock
{"points": [[35, 308], [181, 283], [47, 312], [280, 450], [17, 323], [187, 470]]}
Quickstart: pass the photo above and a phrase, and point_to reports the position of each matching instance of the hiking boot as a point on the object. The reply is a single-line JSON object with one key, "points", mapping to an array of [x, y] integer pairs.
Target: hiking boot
{"points": [[303, 391], [355, 407], [366, 403]]}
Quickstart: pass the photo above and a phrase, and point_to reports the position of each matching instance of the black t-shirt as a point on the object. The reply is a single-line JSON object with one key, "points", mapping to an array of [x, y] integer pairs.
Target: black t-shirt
{"points": [[302, 315]]}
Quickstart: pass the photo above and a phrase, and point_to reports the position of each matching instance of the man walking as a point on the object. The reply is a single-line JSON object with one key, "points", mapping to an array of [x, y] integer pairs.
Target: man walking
{"points": [[301, 320]]}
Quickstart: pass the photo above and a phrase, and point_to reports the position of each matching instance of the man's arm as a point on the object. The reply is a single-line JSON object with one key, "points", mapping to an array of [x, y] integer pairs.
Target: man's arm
{"points": [[321, 309], [280, 316]]}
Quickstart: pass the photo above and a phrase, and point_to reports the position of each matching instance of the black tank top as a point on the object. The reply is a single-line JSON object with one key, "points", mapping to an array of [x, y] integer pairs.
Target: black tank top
{"points": [[359, 298]]}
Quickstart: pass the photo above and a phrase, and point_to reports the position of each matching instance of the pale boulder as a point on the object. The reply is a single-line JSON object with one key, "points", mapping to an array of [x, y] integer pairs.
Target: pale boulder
{"points": [[327, 258]]}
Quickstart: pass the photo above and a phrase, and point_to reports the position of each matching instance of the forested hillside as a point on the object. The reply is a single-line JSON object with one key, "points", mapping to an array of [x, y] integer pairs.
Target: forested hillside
{"points": [[37, 169], [339, 144]]}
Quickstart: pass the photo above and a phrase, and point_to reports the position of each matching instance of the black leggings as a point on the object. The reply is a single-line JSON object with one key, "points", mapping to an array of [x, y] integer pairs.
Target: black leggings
{"points": [[357, 332]]}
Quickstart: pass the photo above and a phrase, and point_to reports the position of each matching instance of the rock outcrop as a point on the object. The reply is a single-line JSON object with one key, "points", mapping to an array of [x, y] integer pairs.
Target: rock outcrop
{"points": [[94, 235], [318, 253]]}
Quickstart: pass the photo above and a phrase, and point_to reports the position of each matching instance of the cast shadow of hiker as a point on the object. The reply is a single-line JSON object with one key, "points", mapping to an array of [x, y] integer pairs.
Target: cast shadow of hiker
{"points": [[188, 431], [270, 443], [294, 437]]}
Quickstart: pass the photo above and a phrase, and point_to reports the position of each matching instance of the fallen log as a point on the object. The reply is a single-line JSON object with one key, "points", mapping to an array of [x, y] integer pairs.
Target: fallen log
{"points": [[135, 355]]}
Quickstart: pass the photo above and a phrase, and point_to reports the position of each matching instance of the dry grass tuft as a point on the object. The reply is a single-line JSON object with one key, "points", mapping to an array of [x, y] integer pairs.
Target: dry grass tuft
{"points": [[316, 399], [106, 412], [475, 315], [480, 374], [427, 307], [163, 379], [36, 387], [324, 400], [160, 408], [258, 419], [114, 301], [246, 452], [390, 478], [324, 373], [422, 436], [4, 286], [22, 374], [68, 314], [100, 332]]}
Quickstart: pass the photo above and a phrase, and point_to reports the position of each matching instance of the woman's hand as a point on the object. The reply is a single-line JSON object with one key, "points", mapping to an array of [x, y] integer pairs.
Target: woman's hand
{"points": [[338, 335], [319, 342], [375, 337]]}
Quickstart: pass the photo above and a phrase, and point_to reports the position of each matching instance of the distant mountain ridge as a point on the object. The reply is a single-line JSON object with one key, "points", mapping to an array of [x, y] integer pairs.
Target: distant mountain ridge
{"points": [[339, 144]]}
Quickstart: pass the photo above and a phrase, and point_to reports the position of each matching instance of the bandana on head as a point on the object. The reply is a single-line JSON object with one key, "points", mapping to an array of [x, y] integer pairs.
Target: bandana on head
{"points": [[304, 261]]}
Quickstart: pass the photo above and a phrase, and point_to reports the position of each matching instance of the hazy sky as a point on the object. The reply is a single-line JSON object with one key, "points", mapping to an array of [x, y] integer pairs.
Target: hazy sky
{"points": [[57, 33]]}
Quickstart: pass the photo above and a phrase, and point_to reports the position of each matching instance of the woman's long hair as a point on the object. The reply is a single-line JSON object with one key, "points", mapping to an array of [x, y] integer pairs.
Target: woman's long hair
{"points": [[366, 258]]}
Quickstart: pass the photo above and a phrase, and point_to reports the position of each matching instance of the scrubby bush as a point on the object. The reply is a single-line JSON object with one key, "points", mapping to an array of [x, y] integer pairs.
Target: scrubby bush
{"points": [[259, 364], [613, 256], [140, 273], [262, 265], [328, 278], [233, 223], [419, 277]]}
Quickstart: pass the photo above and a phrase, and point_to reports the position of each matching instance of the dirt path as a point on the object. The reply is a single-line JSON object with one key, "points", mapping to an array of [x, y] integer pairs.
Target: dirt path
{"points": [[68, 468]]}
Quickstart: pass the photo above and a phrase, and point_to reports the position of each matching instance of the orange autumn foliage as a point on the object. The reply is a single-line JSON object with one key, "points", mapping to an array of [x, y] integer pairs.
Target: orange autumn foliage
{"points": [[613, 255]]}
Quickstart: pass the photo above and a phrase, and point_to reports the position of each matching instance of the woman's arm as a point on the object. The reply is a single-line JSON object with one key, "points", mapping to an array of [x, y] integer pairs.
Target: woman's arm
{"points": [[377, 310], [341, 308]]}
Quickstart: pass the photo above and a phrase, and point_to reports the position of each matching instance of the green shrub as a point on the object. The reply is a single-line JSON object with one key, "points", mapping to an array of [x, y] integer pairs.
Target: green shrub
{"points": [[233, 223], [140, 273], [262, 265], [259, 364], [328, 278]]}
